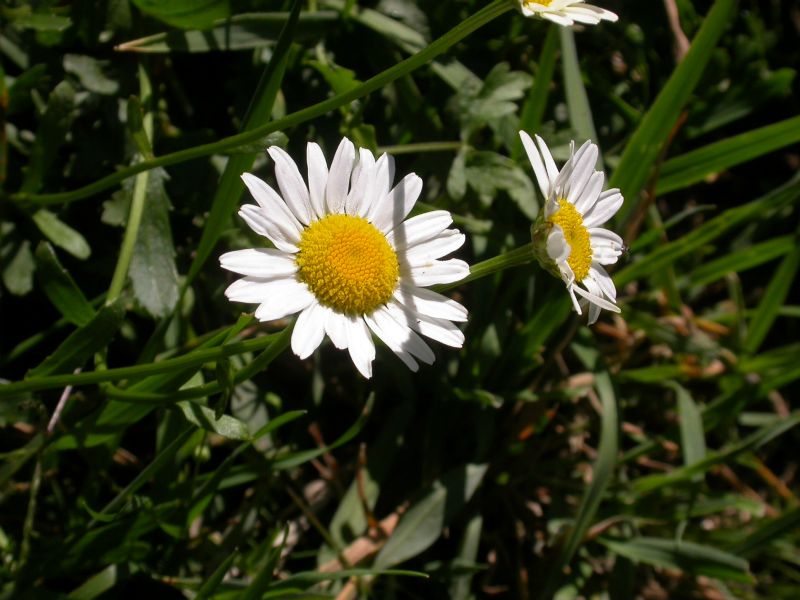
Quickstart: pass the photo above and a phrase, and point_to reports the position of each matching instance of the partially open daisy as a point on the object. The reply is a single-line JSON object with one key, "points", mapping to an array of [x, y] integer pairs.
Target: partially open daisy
{"points": [[566, 236], [346, 259], [566, 12]]}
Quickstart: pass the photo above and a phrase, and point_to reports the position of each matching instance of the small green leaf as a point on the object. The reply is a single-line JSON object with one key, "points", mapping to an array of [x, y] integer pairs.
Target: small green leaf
{"points": [[693, 441], [205, 418], [82, 343], [18, 274], [60, 288], [89, 72], [61, 234], [187, 14]]}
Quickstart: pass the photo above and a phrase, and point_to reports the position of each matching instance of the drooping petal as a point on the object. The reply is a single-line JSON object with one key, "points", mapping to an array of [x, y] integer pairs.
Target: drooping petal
{"points": [[397, 327], [309, 330], [291, 184], [360, 345], [259, 262], [441, 330]]}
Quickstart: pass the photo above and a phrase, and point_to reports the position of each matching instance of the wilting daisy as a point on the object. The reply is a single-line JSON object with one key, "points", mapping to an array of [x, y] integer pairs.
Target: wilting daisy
{"points": [[567, 238], [346, 259], [566, 12]]}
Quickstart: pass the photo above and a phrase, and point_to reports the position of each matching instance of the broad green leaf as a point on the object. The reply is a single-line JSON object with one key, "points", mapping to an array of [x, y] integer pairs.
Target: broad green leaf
{"points": [[422, 524], [693, 167], [603, 472], [774, 297], [81, 344], [230, 187], [187, 14], [18, 274], [488, 173], [580, 112], [97, 584], [60, 288], [24, 18], [648, 141], [740, 260], [668, 253], [240, 32], [688, 557], [61, 234], [205, 418], [152, 272]]}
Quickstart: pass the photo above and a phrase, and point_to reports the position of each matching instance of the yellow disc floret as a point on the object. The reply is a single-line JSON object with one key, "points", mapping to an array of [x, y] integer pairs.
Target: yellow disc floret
{"points": [[577, 236], [347, 264]]}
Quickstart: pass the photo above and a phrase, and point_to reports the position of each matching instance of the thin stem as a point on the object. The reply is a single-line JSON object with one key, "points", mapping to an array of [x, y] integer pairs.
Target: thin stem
{"points": [[514, 258], [437, 47], [137, 203], [421, 148]]}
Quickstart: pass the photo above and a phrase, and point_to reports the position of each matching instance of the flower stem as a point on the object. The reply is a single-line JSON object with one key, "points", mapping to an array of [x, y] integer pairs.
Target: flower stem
{"points": [[437, 47], [513, 258], [137, 202]]}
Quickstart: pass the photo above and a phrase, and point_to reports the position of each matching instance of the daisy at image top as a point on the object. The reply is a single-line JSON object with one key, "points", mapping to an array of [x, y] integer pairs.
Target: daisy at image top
{"points": [[347, 260], [566, 237], [566, 12]]}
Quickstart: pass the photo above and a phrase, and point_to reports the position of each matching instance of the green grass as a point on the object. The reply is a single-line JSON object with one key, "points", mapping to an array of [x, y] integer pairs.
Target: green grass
{"points": [[157, 439]]}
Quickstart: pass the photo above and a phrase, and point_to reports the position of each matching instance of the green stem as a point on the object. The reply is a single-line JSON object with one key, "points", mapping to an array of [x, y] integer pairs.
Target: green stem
{"points": [[194, 359], [422, 147], [437, 47], [137, 202], [514, 258]]}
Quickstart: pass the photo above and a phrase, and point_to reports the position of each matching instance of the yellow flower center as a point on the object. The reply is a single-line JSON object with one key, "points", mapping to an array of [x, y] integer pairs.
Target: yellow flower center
{"points": [[347, 264], [577, 236]]}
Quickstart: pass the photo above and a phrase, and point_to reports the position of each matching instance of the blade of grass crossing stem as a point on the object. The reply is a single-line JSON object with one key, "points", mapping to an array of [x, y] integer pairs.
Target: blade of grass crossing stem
{"points": [[648, 141], [434, 49], [580, 112], [694, 166], [532, 114], [603, 472], [774, 297], [230, 186], [693, 440]]}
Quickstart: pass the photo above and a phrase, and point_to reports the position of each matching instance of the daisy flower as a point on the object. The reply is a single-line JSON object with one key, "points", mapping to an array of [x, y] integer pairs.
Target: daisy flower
{"points": [[346, 259], [566, 12], [567, 239]]}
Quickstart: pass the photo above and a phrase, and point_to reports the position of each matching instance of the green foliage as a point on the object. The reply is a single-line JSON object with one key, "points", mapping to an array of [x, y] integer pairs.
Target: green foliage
{"points": [[158, 439]]}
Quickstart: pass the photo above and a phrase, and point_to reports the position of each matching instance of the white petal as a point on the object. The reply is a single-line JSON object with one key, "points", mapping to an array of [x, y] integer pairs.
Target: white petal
{"points": [[392, 334], [557, 247], [600, 276], [397, 333], [360, 345], [575, 304], [429, 303], [441, 330], [539, 169], [293, 188], [564, 21], [384, 177], [309, 330], [595, 298], [362, 181], [274, 207], [606, 207], [317, 178], [419, 229], [339, 177], [438, 271], [589, 195], [446, 242], [278, 232], [335, 327], [549, 163], [581, 167], [391, 210], [277, 297], [259, 262]]}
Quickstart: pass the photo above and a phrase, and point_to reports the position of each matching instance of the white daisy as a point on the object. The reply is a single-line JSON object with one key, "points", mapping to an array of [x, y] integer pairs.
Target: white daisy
{"points": [[346, 259], [566, 12], [568, 240]]}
